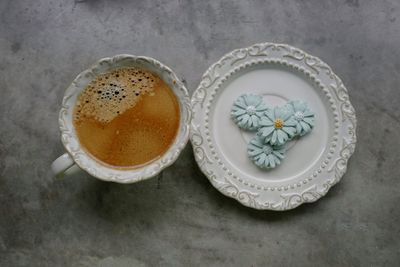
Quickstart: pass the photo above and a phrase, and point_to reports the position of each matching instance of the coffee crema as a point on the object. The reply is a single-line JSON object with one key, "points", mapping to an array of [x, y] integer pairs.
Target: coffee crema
{"points": [[127, 118]]}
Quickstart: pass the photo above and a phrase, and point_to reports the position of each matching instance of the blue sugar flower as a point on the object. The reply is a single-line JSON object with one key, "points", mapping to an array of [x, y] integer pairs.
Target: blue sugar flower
{"points": [[264, 155], [277, 126], [302, 115], [247, 111]]}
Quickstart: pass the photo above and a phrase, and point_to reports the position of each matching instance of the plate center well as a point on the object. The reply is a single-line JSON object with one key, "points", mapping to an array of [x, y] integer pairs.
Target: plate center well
{"points": [[277, 84]]}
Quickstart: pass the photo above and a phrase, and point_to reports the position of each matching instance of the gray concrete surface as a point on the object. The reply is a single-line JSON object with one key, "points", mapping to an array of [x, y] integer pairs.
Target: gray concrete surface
{"points": [[179, 219]]}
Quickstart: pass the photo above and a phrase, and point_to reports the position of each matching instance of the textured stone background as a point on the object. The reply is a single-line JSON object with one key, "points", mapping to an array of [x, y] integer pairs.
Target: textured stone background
{"points": [[180, 219]]}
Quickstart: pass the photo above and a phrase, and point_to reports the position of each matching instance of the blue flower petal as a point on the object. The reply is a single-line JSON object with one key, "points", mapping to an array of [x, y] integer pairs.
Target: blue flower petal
{"points": [[286, 114], [274, 138], [306, 128], [265, 131], [308, 120], [281, 136], [278, 154], [245, 118], [261, 107], [291, 131], [290, 122], [299, 105], [271, 159], [255, 120], [308, 113], [298, 128], [265, 121], [240, 104], [270, 114], [255, 142], [277, 113]]}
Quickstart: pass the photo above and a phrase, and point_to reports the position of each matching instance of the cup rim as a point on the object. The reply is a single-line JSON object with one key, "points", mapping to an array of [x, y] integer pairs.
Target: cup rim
{"points": [[94, 167]]}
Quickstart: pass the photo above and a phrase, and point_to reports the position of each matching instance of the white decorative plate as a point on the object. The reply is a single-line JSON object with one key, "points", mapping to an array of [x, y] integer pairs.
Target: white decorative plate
{"points": [[279, 72]]}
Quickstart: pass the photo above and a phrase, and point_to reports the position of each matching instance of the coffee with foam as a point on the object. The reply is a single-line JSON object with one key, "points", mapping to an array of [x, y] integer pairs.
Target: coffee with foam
{"points": [[127, 117]]}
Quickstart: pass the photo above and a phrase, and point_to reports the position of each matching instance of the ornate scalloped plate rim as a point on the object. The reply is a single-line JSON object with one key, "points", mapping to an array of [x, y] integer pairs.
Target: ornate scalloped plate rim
{"points": [[94, 167], [249, 196]]}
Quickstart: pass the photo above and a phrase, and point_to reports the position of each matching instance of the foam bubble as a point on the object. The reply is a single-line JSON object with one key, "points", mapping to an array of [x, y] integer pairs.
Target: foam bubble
{"points": [[111, 94]]}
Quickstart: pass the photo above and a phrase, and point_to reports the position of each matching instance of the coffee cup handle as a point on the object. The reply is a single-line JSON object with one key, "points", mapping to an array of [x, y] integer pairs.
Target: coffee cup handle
{"points": [[62, 164]]}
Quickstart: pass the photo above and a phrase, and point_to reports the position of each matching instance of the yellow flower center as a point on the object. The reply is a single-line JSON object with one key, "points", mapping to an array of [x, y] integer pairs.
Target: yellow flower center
{"points": [[278, 123]]}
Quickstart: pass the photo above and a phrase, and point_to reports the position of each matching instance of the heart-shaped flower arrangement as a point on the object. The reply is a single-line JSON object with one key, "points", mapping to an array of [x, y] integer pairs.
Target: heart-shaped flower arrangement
{"points": [[275, 127]]}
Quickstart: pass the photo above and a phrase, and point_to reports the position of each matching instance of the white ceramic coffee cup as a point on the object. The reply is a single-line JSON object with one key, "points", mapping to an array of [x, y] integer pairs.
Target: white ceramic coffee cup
{"points": [[77, 156]]}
